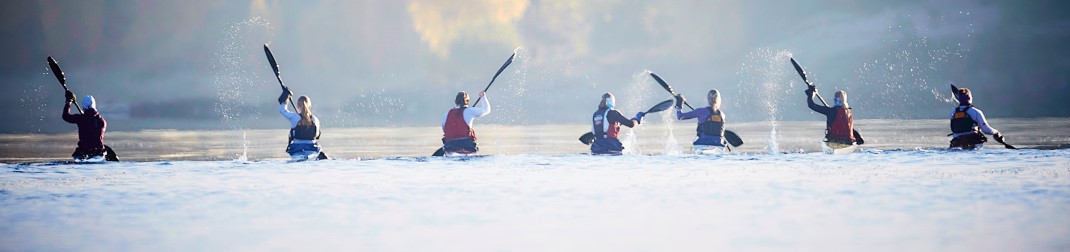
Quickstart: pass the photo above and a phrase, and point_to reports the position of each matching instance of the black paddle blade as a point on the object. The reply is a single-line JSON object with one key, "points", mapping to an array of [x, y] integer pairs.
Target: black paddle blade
{"points": [[732, 138], [271, 60], [56, 71], [801, 72], [587, 138], [662, 83], [667, 87], [661, 106], [858, 138], [1005, 145], [954, 89], [440, 152]]}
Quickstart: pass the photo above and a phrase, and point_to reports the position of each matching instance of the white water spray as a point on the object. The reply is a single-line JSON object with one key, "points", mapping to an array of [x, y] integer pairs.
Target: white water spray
{"points": [[633, 100], [671, 146], [766, 76], [236, 81]]}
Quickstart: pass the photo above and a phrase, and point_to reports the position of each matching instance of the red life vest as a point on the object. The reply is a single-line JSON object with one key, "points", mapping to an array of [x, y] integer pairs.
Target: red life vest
{"points": [[842, 127], [456, 127]]}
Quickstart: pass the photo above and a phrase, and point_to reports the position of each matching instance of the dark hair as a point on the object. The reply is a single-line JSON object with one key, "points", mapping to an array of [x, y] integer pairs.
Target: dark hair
{"points": [[460, 99]]}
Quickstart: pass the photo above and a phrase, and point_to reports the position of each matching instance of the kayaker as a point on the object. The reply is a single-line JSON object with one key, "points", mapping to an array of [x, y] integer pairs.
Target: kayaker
{"points": [[839, 122], [458, 137], [711, 120], [304, 127], [91, 128], [605, 124], [968, 124]]}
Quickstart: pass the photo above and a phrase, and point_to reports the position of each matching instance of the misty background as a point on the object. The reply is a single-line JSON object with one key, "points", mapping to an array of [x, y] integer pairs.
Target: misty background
{"points": [[200, 64]]}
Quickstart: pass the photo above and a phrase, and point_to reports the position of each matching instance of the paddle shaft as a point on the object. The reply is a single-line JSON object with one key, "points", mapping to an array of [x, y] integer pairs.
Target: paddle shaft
{"points": [[668, 88], [809, 84], [507, 62]]}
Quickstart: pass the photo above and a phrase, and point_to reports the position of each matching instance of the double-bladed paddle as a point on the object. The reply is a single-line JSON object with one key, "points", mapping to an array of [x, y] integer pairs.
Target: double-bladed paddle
{"points": [[729, 136]]}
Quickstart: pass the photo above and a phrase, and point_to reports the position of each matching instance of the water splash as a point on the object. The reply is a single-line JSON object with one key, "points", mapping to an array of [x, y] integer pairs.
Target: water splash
{"points": [[634, 99], [915, 71], [672, 147], [510, 92], [237, 83], [767, 76], [33, 104], [373, 108]]}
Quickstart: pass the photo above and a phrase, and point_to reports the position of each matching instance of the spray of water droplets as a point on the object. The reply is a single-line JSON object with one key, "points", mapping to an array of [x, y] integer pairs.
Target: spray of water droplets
{"points": [[634, 99], [510, 92], [914, 66], [766, 83], [33, 105], [375, 108], [235, 80]]}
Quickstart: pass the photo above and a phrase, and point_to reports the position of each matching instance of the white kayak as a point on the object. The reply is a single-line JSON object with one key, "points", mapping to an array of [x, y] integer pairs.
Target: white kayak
{"points": [[837, 148], [304, 156], [708, 149], [91, 160]]}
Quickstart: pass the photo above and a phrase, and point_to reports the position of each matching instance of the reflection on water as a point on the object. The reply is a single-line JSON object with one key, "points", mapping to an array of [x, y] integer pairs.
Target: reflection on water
{"points": [[353, 143]]}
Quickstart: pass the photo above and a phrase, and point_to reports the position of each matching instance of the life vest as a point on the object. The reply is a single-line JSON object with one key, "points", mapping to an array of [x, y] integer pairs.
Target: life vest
{"points": [[602, 126], [961, 122], [712, 126], [842, 127], [309, 131], [456, 127]]}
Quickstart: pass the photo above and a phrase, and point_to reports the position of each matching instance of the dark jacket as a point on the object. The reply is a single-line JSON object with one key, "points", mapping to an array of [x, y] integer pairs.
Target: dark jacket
{"points": [[91, 127]]}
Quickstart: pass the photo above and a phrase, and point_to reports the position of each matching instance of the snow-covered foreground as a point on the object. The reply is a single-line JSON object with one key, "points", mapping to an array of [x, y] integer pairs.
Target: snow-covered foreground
{"points": [[992, 200]]}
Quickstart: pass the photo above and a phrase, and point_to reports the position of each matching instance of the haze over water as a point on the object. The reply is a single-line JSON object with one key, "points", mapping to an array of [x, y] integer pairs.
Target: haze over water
{"points": [[198, 65]]}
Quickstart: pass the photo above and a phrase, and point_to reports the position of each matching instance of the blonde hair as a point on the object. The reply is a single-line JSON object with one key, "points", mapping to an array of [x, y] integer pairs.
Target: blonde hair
{"points": [[843, 97], [714, 98], [304, 108]]}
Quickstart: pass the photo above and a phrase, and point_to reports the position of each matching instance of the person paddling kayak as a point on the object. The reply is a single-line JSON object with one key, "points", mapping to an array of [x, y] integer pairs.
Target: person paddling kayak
{"points": [[839, 122], [968, 124], [711, 120], [304, 128], [606, 122], [91, 128], [458, 137]]}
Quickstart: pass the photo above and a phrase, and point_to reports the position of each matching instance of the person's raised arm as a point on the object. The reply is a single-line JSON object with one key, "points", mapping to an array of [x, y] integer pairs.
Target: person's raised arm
{"points": [[485, 109], [67, 117], [813, 106]]}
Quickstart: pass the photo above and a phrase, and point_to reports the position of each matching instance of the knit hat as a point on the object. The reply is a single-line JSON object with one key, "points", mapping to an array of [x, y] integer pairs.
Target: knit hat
{"points": [[89, 103]]}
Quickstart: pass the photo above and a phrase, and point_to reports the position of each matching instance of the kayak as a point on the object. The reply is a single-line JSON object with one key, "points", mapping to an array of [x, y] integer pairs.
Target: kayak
{"points": [[611, 153], [91, 160], [838, 148], [708, 149], [304, 156]]}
